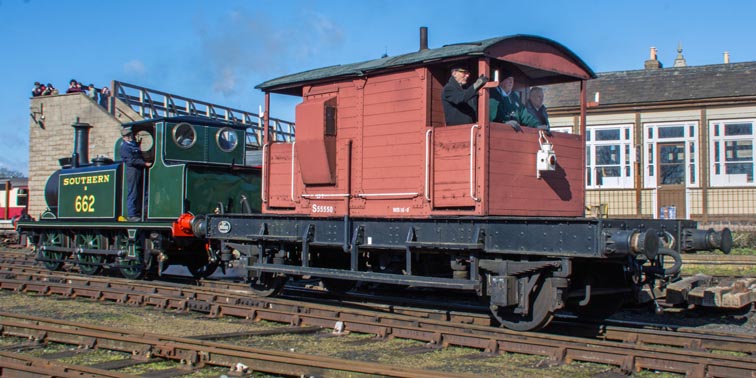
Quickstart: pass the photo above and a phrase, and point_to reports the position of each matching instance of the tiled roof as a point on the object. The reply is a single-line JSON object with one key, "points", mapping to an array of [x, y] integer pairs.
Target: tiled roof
{"points": [[660, 85]]}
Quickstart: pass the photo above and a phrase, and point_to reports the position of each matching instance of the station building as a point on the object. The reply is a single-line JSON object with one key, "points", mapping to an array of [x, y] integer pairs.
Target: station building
{"points": [[673, 142]]}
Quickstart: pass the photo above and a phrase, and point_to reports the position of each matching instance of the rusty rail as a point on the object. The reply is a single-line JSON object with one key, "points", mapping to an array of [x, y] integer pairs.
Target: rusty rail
{"points": [[634, 353], [198, 353]]}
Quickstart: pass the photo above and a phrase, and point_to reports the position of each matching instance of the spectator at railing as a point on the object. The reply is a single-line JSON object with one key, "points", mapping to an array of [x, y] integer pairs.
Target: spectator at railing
{"points": [[104, 97], [50, 90], [38, 90], [92, 92], [74, 87]]}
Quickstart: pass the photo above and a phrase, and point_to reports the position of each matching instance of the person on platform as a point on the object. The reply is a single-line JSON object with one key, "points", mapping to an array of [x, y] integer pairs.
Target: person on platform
{"points": [[460, 100], [134, 165], [50, 90], [74, 87], [104, 97], [536, 108], [92, 92], [505, 105], [38, 89]]}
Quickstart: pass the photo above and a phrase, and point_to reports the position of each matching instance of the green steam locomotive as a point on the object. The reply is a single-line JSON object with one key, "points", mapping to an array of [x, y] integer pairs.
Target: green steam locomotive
{"points": [[197, 167]]}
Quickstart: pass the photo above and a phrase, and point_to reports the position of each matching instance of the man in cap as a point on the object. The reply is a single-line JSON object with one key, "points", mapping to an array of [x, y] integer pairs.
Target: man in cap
{"points": [[133, 164], [461, 100], [505, 105]]}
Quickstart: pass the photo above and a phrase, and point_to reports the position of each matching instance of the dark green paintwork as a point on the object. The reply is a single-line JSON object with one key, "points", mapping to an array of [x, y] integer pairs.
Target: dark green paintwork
{"points": [[205, 149], [205, 187], [166, 181], [88, 192]]}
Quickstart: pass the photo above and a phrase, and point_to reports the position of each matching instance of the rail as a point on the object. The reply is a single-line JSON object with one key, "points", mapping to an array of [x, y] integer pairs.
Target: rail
{"points": [[150, 103]]}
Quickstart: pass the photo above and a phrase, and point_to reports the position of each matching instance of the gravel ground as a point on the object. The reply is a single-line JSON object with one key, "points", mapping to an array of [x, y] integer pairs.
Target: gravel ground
{"points": [[355, 346]]}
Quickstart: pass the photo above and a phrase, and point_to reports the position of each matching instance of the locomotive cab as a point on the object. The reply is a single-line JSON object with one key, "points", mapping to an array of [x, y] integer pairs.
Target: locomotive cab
{"points": [[190, 156]]}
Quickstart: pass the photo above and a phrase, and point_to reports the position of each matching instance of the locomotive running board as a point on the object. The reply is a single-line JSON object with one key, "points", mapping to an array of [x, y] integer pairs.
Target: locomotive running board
{"points": [[396, 279]]}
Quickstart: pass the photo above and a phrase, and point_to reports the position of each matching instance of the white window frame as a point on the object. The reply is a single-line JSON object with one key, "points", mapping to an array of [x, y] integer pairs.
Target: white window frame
{"points": [[690, 137], [723, 179], [561, 129], [627, 157]]}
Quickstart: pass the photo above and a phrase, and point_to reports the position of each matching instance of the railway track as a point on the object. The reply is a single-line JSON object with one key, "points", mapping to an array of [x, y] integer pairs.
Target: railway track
{"points": [[630, 349], [191, 353]]}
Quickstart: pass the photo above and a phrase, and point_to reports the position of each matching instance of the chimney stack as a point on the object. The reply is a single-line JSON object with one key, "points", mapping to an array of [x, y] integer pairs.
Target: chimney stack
{"points": [[652, 63], [726, 57], [423, 38]]}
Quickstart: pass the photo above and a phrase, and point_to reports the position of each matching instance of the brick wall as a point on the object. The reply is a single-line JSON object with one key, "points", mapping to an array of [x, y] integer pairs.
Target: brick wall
{"points": [[53, 137]]}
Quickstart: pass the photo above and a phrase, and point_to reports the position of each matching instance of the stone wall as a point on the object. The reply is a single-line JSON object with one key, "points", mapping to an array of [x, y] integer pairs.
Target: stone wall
{"points": [[51, 136]]}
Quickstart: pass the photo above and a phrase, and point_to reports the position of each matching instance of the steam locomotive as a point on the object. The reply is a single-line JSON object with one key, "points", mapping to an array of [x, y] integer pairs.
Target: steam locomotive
{"points": [[197, 168], [377, 188]]}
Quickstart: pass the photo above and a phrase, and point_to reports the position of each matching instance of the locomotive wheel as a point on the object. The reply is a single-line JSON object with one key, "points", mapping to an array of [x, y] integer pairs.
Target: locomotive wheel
{"points": [[131, 268], [268, 284], [202, 270], [540, 313], [52, 239], [89, 263]]}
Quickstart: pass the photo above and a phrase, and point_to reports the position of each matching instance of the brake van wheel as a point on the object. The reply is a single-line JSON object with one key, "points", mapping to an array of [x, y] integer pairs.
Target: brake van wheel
{"points": [[54, 259], [539, 314], [268, 284]]}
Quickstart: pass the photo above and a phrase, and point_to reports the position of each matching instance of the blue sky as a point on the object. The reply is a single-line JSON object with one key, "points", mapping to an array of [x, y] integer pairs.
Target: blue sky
{"points": [[217, 51]]}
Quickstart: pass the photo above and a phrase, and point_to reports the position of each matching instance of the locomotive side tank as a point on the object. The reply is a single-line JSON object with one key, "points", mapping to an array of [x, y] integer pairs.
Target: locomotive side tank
{"points": [[377, 188]]}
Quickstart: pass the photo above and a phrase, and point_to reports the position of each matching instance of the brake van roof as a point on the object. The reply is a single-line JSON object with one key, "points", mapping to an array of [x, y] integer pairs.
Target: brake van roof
{"points": [[538, 58]]}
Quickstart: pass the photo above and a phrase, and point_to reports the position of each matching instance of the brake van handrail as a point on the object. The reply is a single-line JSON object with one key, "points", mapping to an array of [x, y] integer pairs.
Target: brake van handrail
{"points": [[472, 163], [427, 163]]}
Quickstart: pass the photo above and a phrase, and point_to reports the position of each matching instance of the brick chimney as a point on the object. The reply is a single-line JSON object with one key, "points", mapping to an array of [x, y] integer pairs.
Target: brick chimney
{"points": [[652, 63]]}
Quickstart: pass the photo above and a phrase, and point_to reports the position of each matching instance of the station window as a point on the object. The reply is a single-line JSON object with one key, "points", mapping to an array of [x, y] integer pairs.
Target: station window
{"points": [[670, 154], [731, 152], [226, 139], [609, 155], [184, 135]]}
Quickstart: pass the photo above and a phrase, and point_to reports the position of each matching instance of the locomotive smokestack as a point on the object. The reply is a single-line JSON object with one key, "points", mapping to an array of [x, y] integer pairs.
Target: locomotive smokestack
{"points": [[81, 143], [423, 38]]}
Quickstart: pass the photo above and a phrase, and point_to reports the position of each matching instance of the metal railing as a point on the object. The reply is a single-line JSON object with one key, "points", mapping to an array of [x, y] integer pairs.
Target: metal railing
{"points": [[150, 103]]}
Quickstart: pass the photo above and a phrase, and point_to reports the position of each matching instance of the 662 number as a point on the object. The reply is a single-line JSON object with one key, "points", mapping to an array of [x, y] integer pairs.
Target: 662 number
{"points": [[84, 204]]}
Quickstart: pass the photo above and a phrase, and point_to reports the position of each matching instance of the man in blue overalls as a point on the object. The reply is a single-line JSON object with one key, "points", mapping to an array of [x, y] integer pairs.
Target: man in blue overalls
{"points": [[134, 164]]}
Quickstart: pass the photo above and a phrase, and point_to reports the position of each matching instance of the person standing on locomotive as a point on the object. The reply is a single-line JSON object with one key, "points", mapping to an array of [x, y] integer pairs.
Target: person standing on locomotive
{"points": [[134, 165], [461, 101], [536, 107], [505, 105]]}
